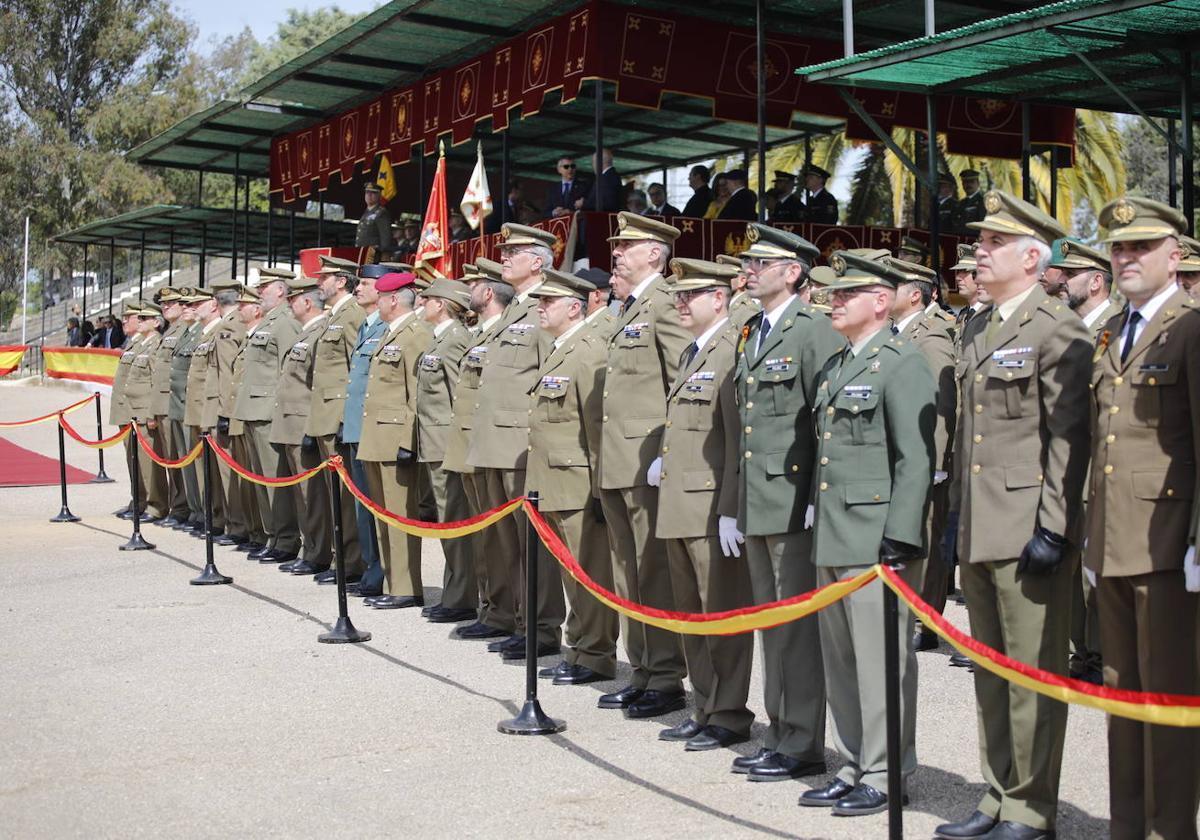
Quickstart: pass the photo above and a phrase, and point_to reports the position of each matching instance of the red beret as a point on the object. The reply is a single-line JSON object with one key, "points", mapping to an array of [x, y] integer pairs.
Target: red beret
{"points": [[394, 282]]}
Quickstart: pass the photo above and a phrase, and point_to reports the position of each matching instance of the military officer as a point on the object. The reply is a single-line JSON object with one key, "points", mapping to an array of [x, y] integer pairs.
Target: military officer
{"points": [[644, 355], [1144, 516], [293, 401], [250, 313], [192, 517], [815, 289], [697, 506], [783, 349], [564, 442], [140, 395], [875, 417], [741, 307], [263, 354], [1188, 273], [337, 279], [206, 314], [788, 206], [118, 405], [820, 207], [446, 305], [1022, 447], [171, 302], [600, 314], [375, 225], [947, 209], [223, 347], [388, 446], [499, 439], [971, 207], [913, 250]]}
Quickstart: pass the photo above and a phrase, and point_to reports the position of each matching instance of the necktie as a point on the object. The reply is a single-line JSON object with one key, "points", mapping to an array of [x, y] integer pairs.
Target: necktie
{"points": [[994, 322], [895, 330], [763, 333], [628, 304], [690, 353], [1130, 334], [362, 331], [566, 188]]}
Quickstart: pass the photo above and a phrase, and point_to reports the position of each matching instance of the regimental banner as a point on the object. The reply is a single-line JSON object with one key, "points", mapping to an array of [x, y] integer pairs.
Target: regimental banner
{"points": [[92, 365], [310, 258], [644, 53], [10, 358]]}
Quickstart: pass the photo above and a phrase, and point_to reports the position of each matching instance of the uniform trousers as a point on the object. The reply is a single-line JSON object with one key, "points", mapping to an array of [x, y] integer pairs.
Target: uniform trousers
{"points": [[181, 444], [793, 679], [247, 492], [1085, 625], [202, 481], [495, 607], [1021, 732], [853, 651], [173, 448], [316, 517], [460, 589], [642, 574], [235, 521], [368, 540], [276, 505], [394, 486], [152, 478], [327, 447], [591, 627], [703, 579], [940, 564], [1149, 629]]}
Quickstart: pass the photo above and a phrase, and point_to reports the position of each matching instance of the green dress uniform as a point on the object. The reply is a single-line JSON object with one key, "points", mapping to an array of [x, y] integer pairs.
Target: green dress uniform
{"points": [[779, 361], [564, 442], [698, 485], [374, 230], [194, 419], [240, 445], [118, 404], [742, 308], [875, 417], [181, 438], [1022, 450], [176, 499], [223, 348], [140, 397], [389, 425], [1143, 517], [437, 380], [643, 362]]}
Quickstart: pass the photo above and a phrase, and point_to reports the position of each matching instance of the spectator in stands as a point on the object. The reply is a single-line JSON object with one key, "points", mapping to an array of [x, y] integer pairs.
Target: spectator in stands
{"points": [[74, 332], [605, 193], [459, 230], [702, 196], [742, 204], [659, 206], [636, 202], [410, 232], [562, 197], [110, 335], [720, 191]]}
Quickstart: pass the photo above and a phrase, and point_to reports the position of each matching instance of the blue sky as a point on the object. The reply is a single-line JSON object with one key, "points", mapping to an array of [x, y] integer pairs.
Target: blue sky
{"points": [[219, 18]]}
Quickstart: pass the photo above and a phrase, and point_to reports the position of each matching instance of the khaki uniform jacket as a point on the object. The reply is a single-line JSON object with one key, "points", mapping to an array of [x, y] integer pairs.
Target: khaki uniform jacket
{"points": [[699, 481], [564, 429], [934, 337], [161, 383], [193, 413], [603, 321], [742, 308], [181, 362], [262, 360], [875, 415], [643, 361], [775, 390], [500, 438], [437, 380], [1142, 503], [390, 410], [293, 396], [139, 386], [466, 399], [1108, 310], [332, 367], [118, 406], [1022, 438], [225, 342]]}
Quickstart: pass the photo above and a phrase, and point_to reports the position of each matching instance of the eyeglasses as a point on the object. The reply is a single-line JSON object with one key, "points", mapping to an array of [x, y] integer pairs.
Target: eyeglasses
{"points": [[688, 295], [566, 166], [754, 265]]}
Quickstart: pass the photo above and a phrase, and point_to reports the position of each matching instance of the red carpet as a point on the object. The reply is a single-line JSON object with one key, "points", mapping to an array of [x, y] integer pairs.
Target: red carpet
{"points": [[20, 467]]}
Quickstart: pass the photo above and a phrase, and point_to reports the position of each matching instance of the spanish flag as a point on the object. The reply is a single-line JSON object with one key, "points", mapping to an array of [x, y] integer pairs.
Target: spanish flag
{"points": [[10, 358], [386, 179], [94, 365]]}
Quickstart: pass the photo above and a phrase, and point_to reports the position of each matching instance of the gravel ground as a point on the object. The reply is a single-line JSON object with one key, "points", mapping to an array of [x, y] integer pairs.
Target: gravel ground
{"points": [[136, 705]]}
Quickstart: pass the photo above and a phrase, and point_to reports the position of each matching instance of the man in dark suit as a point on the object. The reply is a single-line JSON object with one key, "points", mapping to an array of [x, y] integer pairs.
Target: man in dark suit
{"points": [[659, 206], [74, 333], [820, 207], [561, 198], [110, 335], [971, 207], [788, 206], [701, 194], [605, 193], [949, 214], [742, 204]]}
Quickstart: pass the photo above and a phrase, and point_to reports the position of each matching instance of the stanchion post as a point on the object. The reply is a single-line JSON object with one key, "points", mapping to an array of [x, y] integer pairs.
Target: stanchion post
{"points": [[65, 514], [210, 576], [101, 477], [136, 542], [531, 720], [344, 631], [891, 677]]}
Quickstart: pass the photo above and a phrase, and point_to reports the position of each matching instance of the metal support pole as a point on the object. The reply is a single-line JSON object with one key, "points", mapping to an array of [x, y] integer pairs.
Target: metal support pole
{"points": [[1053, 182], [203, 253], [935, 226], [142, 266], [344, 631], [270, 248], [760, 46], [292, 239], [200, 189], [136, 542], [1187, 170], [847, 28], [112, 271], [233, 255], [930, 19], [1026, 183], [531, 720], [85, 284], [321, 220], [210, 576], [246, 232], [1172, 179], [101, 476], [891, 677], [598, 131], [171, 258], [64, 514], [666, 192]]}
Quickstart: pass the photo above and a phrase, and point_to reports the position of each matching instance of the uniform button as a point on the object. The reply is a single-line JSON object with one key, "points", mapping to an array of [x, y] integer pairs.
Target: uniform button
{"points": [[1111, 439], [530, 411], [978, 438], [749, 380], [749, 429], [975, 468], [605, 394], [1170, 492], [827, 436], [829, 411], [569, 461], [477, 405], [666, 449], [1118, 380], [1108, 469], [824, 485], [979, 377], [708, 483], [610, 370], [824, 460], [795, 468], [603, 419], [853, 409], [979, 409], [1114, 409], [749, 405], [1152, 381], [529, 448], [748, 454], [668, 424], [1008, 375], [877, 497]]}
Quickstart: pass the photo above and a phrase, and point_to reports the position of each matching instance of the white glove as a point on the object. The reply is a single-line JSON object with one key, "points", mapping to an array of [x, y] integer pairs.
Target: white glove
{"points": [[1091, 577], [731, 537], [939, 476], [809, 515], [654, 474], [1191, 570]]}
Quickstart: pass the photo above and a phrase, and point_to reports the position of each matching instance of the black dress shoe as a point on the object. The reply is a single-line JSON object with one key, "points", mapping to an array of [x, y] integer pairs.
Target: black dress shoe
{"points": [[682, 731], [305, 568], [780, 768], [356, 590], [169, 521], [277, 556], [290, 565], [863, 800], [924, 641], [579, 675], [825, 797], [714, 737], [249, 546], [510, 640], [543, 649], [450, 615], [978, 824], [126, 514], [229, 539], [260, 553], [327, 576], [653, 703], [554, 670], [1008, 830], [332, 581], [743, 763], [396, 602], [957, 660], [621, 698], [479, 630]]}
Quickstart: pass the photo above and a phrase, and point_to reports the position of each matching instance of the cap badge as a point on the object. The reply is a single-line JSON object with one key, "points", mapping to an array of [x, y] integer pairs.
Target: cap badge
{"points": [[838, 264], [992, 203], [621, 222], [751, 234], [1065, 248], [505, 232], [1124, 213]]}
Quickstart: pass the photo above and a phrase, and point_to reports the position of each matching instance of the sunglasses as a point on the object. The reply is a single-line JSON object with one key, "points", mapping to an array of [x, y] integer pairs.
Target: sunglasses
{"points": [[566, 166]]}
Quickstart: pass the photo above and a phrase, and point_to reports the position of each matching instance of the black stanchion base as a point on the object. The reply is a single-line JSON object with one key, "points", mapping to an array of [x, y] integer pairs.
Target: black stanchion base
{"points": [[65, 515], [531, 721], [210, 577], [343, 633], [136, 543], [101, 478]]}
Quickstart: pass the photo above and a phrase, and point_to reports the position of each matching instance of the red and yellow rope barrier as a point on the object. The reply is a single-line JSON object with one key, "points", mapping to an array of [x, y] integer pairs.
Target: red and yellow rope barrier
{"points": [[16, 424], [166, 463], [255, 478], [102, 443]]}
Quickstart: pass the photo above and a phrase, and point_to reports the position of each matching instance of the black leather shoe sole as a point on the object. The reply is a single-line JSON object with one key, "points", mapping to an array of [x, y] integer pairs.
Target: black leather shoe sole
{"points": [[714, 738], [478, 632], [925, 641], [778, 774], [512, 653], [450, 616], [681, 732], [579, 675], [664, 703], [622, 699]]}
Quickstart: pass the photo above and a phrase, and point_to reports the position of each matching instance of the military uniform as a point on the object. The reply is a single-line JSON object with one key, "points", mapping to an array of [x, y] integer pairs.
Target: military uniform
{"points": [[776, 380], [970, 209], [375, 229], [140, 396], [194, 411], [176, 498], [223, 348], [875, 422], [118, 404], [1143, 522], [181, 438], [1022, 453]]}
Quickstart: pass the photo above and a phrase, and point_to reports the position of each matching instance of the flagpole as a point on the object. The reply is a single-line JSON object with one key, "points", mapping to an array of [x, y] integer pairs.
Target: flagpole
{"points": [[25, 288], [482, 219]]}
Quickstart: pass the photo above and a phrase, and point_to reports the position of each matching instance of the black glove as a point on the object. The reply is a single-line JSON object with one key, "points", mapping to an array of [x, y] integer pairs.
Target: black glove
{"points": [[338, 434], [308, 444], [404, 457], [597, 510], [223, 425], [1043, 553], [896, 553]]}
